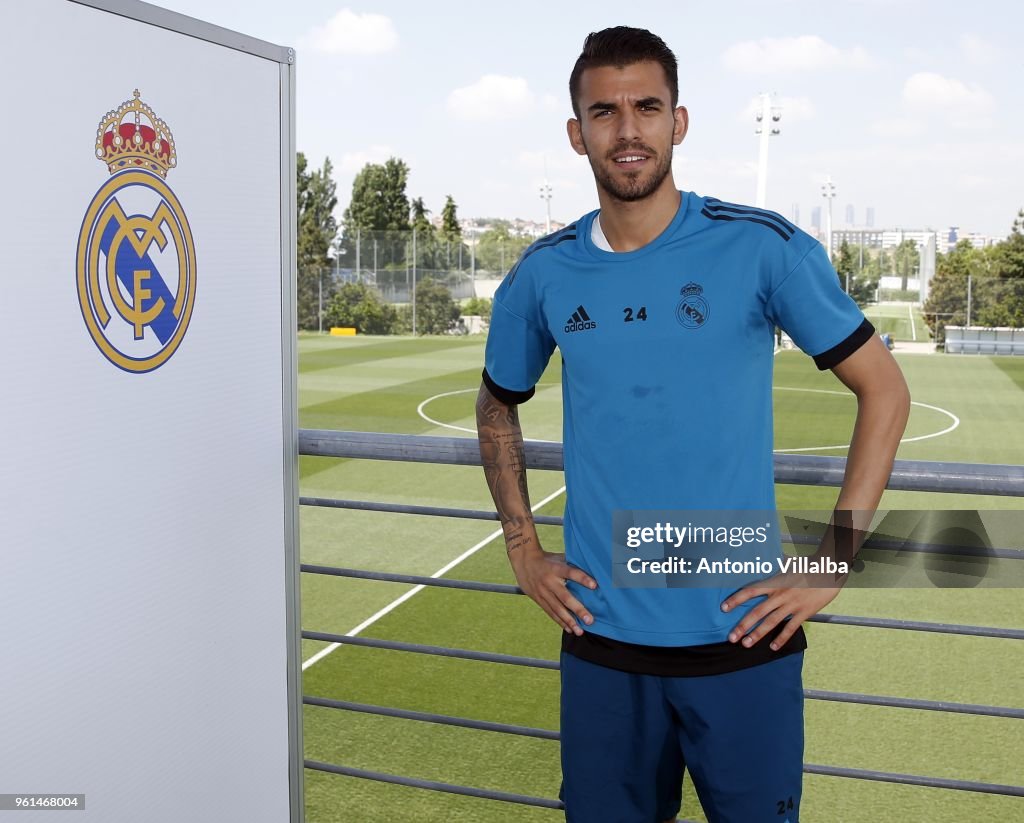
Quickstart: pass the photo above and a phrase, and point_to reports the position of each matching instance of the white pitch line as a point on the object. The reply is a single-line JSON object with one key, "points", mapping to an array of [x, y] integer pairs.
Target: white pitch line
{"points": [[423, 414], [947, 430], [320, 655], [420, 411], [913, 326]]}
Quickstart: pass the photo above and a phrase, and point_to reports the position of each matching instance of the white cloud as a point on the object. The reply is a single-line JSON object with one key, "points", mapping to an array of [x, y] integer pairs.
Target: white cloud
{"points": [[793, 109], [550, 102], [806, 53], [351, 33], [956, 102], [979, 51], [897, 127], [352, 162], [492, 97]]}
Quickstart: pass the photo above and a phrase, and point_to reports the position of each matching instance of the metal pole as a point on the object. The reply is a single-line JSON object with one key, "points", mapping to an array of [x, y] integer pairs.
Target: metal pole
{"points": [[359, 278], [320, 301], [374, 259], [828, 191], [414, 282], [768, 115], [969, 299]]}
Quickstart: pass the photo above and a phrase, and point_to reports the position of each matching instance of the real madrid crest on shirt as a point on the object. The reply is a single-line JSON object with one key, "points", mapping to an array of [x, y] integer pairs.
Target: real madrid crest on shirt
{"points": [[693, 310], [136, 266]]}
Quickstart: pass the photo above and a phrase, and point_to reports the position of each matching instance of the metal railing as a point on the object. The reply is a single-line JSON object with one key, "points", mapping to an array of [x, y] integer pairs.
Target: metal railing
{"points": [[908, 475]]}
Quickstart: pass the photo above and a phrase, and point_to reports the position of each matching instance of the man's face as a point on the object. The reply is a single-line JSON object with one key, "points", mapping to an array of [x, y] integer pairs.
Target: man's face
{"points": [[627, 128]]}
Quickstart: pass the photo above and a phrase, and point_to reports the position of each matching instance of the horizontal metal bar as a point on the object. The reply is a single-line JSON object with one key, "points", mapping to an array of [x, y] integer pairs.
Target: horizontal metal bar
{"points": [[918, 626], [809, 768], [441, 651], [837, 619], [886, 544], [434, 785], [915, 780], [798, 469], [406, 508], [546, 734], [914, 703], [553, 520], [428, 717], [414, 448], [419, 580]]}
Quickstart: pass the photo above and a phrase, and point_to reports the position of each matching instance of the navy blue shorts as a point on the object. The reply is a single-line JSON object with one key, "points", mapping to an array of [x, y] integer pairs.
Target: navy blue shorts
{"points": [[626, 739]]}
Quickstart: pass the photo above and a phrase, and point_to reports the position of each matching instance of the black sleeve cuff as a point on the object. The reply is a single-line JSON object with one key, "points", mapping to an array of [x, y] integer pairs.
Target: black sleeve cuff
{"points": [[507, 396], [838, 353]]}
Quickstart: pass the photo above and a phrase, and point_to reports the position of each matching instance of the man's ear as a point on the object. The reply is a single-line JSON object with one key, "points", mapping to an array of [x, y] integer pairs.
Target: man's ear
{"points": [[575, 132], [682, 123]]}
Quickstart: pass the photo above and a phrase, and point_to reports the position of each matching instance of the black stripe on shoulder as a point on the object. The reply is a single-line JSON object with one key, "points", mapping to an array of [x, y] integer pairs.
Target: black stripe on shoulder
{"points": [[767, 223], [839, 352], [546, 242], [507, 396], [718, 206]]}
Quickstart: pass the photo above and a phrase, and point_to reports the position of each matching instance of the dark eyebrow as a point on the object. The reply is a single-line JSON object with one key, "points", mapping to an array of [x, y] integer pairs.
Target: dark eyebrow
{"points": [[645, 101]]}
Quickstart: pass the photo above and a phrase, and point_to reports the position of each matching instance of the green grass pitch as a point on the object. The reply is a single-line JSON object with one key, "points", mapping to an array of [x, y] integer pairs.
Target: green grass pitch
{"points": [[902, 320], [376, 384]]}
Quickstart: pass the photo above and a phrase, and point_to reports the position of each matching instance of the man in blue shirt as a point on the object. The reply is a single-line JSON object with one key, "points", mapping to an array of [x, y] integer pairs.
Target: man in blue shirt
{"points": [[663, 305]]}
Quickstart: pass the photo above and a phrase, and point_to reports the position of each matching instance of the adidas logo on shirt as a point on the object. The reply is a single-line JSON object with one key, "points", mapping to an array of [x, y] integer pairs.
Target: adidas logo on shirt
{"points": [[580, 321]]}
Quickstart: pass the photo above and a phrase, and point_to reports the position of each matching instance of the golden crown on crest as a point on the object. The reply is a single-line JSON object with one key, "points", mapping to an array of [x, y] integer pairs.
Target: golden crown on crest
{"points": [[124, 140]]}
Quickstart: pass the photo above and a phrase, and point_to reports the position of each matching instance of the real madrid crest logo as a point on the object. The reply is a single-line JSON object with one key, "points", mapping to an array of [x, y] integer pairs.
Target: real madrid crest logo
{"points": [[693, 310], [136, 260]]}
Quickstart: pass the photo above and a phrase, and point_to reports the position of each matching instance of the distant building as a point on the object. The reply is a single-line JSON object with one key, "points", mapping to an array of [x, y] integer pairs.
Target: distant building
{"points": [[849, 214], [816, 217], [796, 214], [869, 238], [869, 217]]}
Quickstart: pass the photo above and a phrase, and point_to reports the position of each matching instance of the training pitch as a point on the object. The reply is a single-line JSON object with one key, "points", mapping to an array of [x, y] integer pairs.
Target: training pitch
{"points": [[966, 409]]}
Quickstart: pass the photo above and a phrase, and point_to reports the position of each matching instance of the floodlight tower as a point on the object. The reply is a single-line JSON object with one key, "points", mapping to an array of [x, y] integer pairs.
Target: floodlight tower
{"points": [[545, 194], [828, 191], [768, 114]]}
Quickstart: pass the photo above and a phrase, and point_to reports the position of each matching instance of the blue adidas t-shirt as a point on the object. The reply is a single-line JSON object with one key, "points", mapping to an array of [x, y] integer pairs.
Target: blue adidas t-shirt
{"points": [[667, 356]]}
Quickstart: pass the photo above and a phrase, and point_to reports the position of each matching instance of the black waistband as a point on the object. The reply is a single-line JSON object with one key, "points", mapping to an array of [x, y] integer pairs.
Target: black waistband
{"points": [[679, 661]]}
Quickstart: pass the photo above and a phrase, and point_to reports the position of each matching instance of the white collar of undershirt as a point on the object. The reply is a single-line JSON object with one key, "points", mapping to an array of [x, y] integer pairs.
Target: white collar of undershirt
{"points": [[597, 235]]}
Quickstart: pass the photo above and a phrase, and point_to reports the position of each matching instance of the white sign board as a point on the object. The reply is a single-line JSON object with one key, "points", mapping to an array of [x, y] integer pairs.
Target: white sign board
{"points": [[148, 573]]}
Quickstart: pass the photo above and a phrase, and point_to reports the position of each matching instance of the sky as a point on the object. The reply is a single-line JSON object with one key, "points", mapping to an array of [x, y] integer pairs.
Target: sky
{"points": [[913, 108]]}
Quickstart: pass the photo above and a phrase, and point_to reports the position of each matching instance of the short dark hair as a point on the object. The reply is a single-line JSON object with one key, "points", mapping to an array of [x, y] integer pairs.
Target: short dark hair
{"points": [[623, 46]]}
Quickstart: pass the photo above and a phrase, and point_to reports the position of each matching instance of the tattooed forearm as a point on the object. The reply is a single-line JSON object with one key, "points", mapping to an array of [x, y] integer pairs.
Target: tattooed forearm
{"points": [[504, 460]]}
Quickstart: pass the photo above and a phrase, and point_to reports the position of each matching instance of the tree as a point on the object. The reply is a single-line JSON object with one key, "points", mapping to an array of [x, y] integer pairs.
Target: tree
{"points": [[315, 199], [436, 312], [861, 287], [455, 251], [498, 249], [947, 295], [1001, 300], [428, 250], [379, 202], [451, 231], [906, 261], [358, 306], [842, 260], [477, 306], [1018, 223]]}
